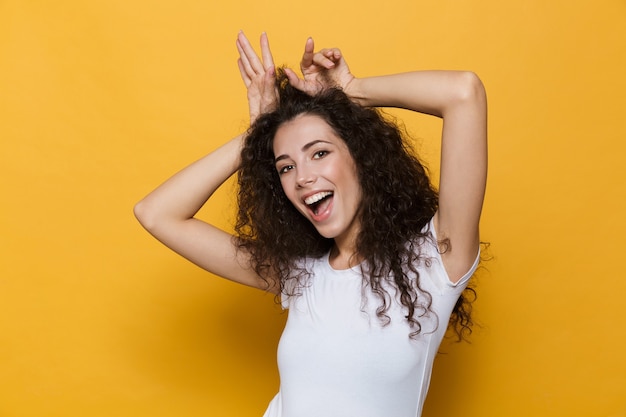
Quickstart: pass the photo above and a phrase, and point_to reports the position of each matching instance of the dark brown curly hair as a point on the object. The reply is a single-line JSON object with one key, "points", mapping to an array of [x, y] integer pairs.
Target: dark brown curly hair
{"points": [[398, 202]]}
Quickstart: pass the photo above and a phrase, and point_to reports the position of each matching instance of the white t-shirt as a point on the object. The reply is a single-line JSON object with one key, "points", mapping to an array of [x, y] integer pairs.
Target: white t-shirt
{"points": [[337, 359]]}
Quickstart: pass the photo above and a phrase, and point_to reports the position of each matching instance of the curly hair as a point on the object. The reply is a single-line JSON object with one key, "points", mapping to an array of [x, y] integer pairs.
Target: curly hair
{"points": [[398, 202]]}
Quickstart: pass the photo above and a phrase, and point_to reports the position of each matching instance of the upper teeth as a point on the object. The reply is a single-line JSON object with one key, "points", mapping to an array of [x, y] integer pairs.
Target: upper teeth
{"points": [[317, 197]]}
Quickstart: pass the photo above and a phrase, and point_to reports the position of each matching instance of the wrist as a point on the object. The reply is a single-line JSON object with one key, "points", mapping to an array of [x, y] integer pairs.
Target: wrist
{"points": [[356, 91]]}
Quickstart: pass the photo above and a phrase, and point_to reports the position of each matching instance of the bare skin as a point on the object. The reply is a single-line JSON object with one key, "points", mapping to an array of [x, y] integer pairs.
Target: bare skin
{"points": [[457, 97], [314, 163]]}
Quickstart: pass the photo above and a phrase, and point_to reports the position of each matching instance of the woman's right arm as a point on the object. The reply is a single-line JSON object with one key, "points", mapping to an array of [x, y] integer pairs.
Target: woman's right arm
{"points": [[168, 211], [168, 214]]}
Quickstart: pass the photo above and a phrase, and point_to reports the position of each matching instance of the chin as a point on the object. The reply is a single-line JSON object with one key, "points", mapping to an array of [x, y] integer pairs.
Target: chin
{"points": [[328, 233]]}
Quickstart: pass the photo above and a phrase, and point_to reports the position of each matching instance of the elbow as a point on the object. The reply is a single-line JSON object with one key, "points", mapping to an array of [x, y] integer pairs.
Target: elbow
{"points": [[145, 215], [470, 88]]}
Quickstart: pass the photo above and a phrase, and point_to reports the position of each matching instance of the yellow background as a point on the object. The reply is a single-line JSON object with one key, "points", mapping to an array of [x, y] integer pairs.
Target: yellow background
{"points": [[101, 100]]}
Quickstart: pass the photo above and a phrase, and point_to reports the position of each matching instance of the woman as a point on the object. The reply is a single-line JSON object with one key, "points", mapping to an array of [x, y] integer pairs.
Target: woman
{"points": [[340, 220]]}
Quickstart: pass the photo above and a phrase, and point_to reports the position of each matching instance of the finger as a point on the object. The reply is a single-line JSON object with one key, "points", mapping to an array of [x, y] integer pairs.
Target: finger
{"points": [[266, 53], [269, 79], [244, 60], [270, 74], [333, 53], [322, 59], [307, 57], [248, 50], [269, 90], [244, 75]]}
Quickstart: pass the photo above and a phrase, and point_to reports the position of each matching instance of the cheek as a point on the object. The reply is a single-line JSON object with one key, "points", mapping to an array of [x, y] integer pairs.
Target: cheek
{"points": [[348, 176], [357, 192], [287, 187], [283, 184]]}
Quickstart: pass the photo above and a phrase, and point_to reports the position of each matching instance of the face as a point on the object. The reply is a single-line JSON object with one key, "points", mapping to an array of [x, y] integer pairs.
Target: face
{"points": [[319, 176]]}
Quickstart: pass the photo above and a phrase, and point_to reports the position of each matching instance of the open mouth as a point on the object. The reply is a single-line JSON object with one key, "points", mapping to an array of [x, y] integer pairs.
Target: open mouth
{"points": [[317, 202]]}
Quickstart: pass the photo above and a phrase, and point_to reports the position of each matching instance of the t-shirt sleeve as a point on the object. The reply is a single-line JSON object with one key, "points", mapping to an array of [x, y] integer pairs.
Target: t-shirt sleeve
{"points": [[465, 278], [461, 283], [293, 286]]}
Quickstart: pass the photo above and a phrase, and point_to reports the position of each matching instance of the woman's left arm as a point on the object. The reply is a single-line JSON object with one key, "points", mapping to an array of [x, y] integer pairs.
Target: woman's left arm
{"points": [[459, 99]]}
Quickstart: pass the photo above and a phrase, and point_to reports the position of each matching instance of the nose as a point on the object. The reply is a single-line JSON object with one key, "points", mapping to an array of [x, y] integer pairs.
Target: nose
{"points": [[305, 177]]}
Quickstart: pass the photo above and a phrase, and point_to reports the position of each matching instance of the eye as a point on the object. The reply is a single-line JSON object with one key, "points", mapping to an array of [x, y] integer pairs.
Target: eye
{"points": [[284, 169], [320, 154]]}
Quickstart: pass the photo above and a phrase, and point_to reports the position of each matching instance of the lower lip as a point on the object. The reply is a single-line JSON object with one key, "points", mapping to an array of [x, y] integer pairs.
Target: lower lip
{"points": [[320, 217]]}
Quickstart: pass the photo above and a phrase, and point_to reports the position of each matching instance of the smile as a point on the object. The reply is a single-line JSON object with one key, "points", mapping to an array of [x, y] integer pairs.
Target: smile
{"points": [[315, 201]]}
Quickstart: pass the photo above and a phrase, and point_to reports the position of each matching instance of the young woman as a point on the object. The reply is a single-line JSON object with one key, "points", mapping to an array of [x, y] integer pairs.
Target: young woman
{"points": [[339, 219]]}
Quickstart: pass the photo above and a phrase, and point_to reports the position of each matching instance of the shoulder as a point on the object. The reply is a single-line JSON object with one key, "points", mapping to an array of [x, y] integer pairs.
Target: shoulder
{"points": [[299, 277]]}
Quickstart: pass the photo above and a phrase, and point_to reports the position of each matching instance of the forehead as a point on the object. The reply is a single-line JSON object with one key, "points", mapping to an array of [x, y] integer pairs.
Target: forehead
{"points": [[294, 134]]}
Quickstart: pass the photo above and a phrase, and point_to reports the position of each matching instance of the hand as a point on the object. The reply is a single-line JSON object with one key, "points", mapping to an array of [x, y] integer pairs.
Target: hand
{"points": [[258, 76], [320, 70]]}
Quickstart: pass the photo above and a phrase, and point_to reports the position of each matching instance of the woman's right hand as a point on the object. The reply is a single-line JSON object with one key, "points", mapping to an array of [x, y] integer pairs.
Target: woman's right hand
{"points": [[259, 76], [324, 69]]}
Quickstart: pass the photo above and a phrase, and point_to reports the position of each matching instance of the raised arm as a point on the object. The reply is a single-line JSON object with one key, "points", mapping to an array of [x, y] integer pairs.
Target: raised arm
{"points": [[168, 211], [456, 96], [459, 98]]}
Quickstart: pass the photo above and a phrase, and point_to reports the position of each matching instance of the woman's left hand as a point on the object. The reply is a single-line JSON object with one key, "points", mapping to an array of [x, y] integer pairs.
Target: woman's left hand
{"points": [[320, 70], [259, 76]]}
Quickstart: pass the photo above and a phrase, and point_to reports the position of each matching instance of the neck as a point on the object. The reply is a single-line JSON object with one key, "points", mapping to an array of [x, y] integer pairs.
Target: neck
{"points": [[343, 254], [343, 257]]}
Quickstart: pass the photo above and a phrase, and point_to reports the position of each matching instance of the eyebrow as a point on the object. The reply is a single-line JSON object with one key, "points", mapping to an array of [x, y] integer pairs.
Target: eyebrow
{"points": [[304, 149]]}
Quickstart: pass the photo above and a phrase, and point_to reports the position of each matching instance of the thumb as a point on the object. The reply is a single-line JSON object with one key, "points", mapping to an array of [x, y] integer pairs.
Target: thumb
{"points": [[293, 79]]}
